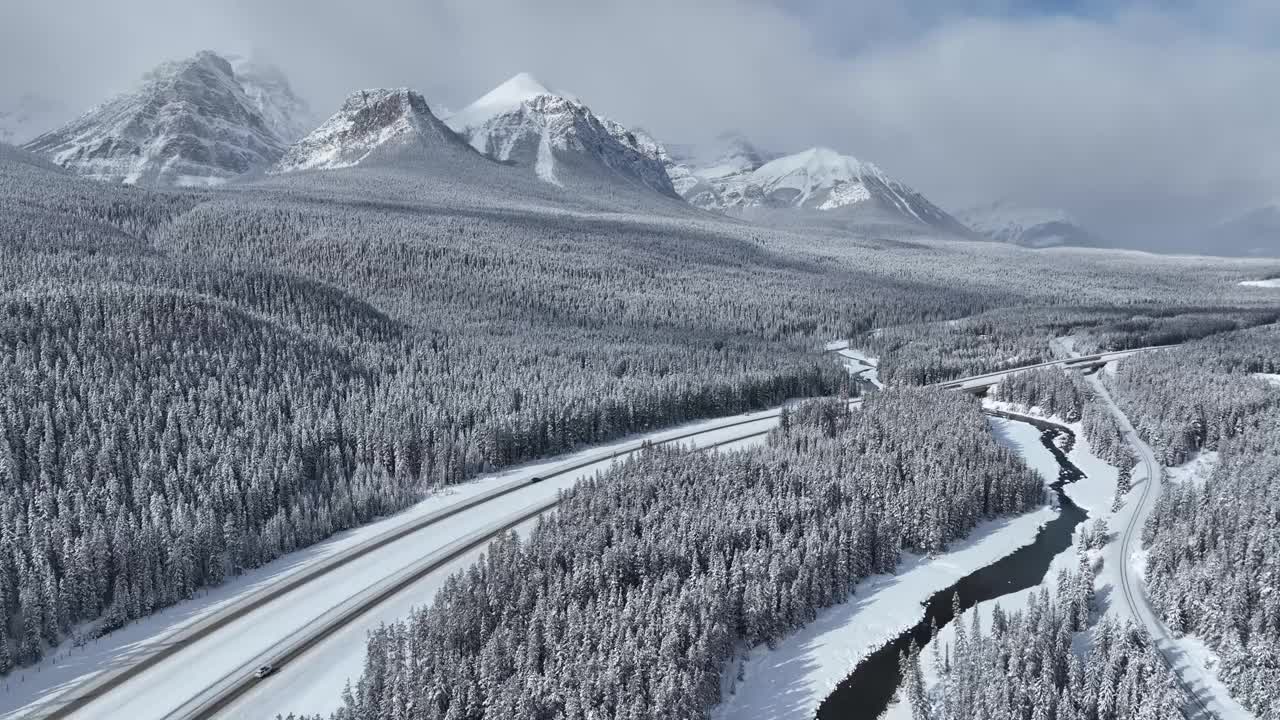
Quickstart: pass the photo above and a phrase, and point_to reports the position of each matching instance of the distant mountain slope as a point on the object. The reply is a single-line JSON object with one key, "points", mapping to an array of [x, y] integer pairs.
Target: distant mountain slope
{"points": [[190, 123], [524, 123], [287, 114], [701, 174], [742, 180], [379, 126], [1028, 227], [1253, 233], [29, 115]]}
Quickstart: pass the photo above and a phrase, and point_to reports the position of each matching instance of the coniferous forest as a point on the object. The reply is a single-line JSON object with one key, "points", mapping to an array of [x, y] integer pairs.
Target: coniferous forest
{"points": [[194, 383], [1214, 541], [1023, 666]]}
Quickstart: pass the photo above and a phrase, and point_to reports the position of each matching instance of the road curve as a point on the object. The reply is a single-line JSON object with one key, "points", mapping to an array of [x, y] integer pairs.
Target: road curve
{"points": [[1201, 704]]}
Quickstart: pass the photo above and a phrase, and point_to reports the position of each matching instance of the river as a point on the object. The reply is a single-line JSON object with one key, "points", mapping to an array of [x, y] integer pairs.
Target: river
{"points": [[866, 691]]}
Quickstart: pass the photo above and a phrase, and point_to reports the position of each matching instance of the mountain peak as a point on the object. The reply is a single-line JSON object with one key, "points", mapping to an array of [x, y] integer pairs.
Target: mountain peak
{"points": [[189, 123], [374, 125], [523, 123], [521, 86], [204, 61], [519, 89]]}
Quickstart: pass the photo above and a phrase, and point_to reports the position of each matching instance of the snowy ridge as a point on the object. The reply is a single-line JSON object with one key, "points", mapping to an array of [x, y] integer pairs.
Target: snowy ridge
{"points": [[189, 124], [373, 125], [1028, 227], [818, 179], [524, 123]]}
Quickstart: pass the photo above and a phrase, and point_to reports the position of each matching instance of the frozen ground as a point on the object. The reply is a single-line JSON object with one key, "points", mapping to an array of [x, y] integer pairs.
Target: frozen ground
{"points": [[791, 680], [166, 685]]}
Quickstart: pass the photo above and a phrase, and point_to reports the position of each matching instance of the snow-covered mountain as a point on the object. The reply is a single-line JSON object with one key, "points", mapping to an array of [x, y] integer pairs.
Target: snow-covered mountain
{"points": [[743, 180], [524, 123], [191, 122], [381, 126], [1009, 223], [287, 114], [730, 153], [29, 115], [702, 174]]}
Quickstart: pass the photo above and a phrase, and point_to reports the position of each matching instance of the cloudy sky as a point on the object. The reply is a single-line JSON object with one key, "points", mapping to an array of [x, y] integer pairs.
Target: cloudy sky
{"points": [[1143, 118]]}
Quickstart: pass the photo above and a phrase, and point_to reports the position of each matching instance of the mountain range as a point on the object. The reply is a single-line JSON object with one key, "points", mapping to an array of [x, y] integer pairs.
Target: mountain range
{"points": [[210, 119], [1028, 227]]}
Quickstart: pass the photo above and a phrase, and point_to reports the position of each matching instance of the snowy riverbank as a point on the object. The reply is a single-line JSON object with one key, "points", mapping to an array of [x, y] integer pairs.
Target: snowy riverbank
{"points": [[791, 680]]}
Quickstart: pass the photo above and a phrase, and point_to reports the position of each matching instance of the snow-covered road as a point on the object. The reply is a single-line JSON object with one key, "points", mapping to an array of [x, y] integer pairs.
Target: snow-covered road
{"points": [[1209, 698]]}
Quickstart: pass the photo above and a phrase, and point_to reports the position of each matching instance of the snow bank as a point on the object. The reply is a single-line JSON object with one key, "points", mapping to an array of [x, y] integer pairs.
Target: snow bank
{"points": [[1269, 377], [1272, 283]]}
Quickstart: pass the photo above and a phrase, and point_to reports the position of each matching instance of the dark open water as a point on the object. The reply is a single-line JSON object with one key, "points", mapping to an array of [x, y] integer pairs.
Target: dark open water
{"points": [[866, 691]]}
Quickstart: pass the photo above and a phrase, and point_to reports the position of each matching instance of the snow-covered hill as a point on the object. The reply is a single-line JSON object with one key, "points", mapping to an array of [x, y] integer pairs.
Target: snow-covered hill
{"points": [[524, 123], [381, 126], [1028, 227], [190, 123], [29, 115], [742, 179]]}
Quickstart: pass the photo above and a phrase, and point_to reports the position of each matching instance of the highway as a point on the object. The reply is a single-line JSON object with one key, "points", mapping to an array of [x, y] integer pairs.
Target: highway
{"points": [[978, 382], [203, 664], [311, 624]]}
